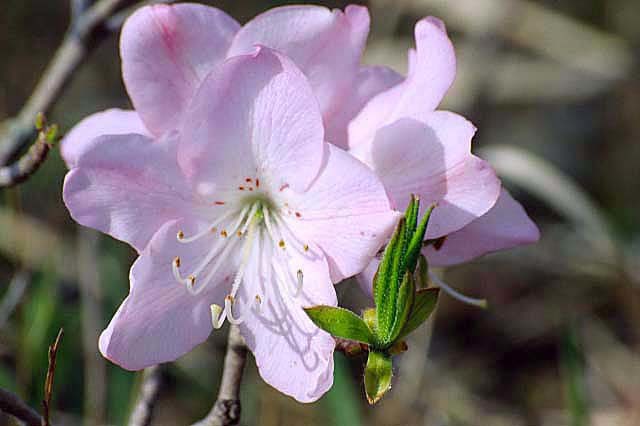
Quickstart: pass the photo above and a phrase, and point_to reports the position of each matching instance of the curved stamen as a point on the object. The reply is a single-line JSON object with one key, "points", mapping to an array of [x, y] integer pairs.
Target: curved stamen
{"points": [[480, 303], [216, 265], [218, 316], [257, 303], [291, 237], [269, 226], [300, 277], [246, 251], [228, 306], [210, 228]]}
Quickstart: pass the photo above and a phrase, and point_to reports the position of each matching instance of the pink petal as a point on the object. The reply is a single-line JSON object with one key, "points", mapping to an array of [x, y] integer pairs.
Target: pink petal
{"points": [[433, 160], [127, 186], [432, 70], [365, 278], [291, 353], [505, 226], [255, 115], [345, 211], [166, 52], [160, 320], [369, 82], [325, 44], [109, 122]]}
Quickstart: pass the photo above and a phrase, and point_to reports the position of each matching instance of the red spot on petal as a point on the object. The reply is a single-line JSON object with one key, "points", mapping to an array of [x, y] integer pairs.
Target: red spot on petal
{"points": [[298, 214], [257, 183], [219, 203], [248, 180]]}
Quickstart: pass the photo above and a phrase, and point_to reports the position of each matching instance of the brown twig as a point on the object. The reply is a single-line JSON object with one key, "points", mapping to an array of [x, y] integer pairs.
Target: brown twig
{"points": [[85, 30], [48, 383], [149, 391], [226, 410], [27, 165]]}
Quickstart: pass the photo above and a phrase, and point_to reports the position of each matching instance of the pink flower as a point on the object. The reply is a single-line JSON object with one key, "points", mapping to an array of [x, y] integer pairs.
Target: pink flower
{"points": [[167, 50], [249, 214], [417, 149]]}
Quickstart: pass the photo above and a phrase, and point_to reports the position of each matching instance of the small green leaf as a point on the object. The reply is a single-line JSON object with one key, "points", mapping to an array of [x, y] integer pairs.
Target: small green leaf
{"points": [[406, 296], [40, 121], [423, 306], [411, 215], [387, 282], [415, 245], [377, 376], [340, 322]]}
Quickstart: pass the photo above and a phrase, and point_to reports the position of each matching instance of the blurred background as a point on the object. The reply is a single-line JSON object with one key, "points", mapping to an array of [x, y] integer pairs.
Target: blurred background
{"points": [[554, 88]]}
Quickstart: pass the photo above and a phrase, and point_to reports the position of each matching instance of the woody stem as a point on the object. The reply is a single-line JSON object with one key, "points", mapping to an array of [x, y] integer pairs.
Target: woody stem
{"points": [[226, 410]]}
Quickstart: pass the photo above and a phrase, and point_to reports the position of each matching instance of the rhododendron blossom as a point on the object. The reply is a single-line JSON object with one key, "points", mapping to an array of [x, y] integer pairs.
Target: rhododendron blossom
{"points": [[230, 179], [252, 217], [416, 149], [167, 50]]}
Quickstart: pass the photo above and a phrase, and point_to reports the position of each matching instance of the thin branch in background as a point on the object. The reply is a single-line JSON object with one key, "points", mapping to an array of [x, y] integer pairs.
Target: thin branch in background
{"points": [[30, 162], [142, 414], [16, 407], [95, 392], [226, 410], [85, 30], [13, 295], [48, 383]]}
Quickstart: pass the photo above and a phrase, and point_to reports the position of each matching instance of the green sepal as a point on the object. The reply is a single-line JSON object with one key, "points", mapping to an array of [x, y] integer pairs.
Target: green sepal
{"points": [[423, 305], [415, 245], [411, 214], [377, 376], [422, 272], [386, 282], [341, 322], [406, 296]]}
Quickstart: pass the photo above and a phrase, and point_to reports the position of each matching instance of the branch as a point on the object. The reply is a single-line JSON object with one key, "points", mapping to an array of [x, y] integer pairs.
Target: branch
{"points": [[31, 161], [149, 391], [226, 410], [48, 383], [85, 30], [13, 405]]}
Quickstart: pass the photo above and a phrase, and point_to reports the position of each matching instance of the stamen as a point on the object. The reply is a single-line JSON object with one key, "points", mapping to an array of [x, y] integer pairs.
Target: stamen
{"points": [[246, 250], [480, 303], [300, 277], [290, 237], [218, 263], [210, 228], [258, 303], [217, 316], [228, 307], [176, 270]]}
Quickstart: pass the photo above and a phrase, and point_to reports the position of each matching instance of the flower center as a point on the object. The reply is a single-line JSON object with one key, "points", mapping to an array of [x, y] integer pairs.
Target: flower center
{"points": [[255, 218]]}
